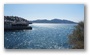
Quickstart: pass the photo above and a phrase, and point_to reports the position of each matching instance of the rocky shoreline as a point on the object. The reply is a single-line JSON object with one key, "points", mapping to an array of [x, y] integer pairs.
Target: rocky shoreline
{"points": [[18, 28], [16, 23]]}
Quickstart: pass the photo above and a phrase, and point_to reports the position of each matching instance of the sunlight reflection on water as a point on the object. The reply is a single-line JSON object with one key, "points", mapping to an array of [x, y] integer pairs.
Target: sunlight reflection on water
{"points": [[42, 36]]}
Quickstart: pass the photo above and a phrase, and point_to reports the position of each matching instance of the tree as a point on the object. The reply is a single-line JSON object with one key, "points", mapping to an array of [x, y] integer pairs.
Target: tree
{"points": [[76, 39]]}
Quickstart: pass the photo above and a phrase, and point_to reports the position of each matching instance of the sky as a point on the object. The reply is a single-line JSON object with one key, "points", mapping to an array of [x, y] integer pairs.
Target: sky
{"points": [[73, 12]]}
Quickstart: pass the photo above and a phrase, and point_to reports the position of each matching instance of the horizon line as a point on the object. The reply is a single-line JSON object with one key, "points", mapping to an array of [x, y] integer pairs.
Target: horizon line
{"points": [[41, 19]]}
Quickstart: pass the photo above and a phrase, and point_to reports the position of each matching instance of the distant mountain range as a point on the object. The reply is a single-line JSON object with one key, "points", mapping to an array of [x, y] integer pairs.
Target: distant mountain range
{"points": [[53, 21], [16, 19]]}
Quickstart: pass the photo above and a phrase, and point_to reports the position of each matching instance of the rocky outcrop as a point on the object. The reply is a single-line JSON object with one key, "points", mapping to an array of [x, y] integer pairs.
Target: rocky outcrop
{"points": [[15, 19], [16, 23]]}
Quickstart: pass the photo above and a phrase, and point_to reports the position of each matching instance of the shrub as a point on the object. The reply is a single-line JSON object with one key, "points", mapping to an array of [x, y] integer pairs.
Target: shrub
{"points": [[76, 39]]}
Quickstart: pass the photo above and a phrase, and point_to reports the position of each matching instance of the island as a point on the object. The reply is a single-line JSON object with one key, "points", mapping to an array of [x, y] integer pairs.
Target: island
{"points": [[54, 21], [16, 23]]}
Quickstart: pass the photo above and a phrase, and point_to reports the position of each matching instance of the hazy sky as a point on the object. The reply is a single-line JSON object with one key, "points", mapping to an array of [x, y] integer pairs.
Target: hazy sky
{"points": [[73, 12]]}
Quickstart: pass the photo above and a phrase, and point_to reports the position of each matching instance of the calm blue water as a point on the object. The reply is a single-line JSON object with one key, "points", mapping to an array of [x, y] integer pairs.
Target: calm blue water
{"points": [[42, 36]]}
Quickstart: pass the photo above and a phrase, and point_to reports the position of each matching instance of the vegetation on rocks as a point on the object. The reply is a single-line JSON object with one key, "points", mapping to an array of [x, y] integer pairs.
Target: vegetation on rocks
{"points": [[14, 19]]}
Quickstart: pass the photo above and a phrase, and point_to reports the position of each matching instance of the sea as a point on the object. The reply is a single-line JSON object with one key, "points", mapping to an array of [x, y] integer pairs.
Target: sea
{"points": [[42, 36]]}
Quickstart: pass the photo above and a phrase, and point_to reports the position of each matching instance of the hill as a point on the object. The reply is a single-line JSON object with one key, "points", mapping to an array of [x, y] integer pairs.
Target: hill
{"points": [[53, 21], [15, 19]]}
